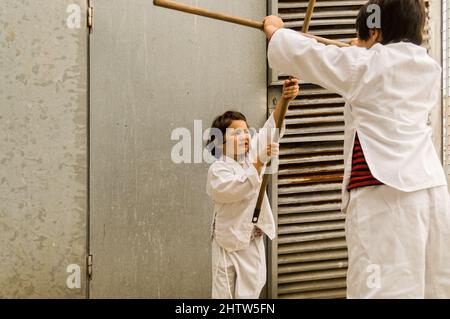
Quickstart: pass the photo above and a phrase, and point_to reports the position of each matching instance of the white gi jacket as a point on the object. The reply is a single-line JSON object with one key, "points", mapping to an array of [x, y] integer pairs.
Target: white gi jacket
{"points": [[389, 91], [234, 189]]}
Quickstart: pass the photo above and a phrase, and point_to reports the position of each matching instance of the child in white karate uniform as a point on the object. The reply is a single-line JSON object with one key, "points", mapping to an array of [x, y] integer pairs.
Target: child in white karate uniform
{"points": [[394, 190], [234, 180]]}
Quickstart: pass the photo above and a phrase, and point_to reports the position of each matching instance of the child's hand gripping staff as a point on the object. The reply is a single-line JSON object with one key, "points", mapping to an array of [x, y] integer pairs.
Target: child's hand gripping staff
{"points": [[270, 25]]}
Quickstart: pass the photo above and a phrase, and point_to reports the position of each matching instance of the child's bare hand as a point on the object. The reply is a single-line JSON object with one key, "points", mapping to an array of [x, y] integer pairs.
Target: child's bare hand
{"points": [[272, 24], [271, 151], [290, 89]]}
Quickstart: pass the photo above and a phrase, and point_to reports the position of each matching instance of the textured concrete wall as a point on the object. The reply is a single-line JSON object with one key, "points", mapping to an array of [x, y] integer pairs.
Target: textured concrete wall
{"points": [[43, 148]]}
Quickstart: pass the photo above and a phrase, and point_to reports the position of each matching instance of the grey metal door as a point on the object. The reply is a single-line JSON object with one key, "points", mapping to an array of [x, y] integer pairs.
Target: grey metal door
{"points": [[152, 71]]}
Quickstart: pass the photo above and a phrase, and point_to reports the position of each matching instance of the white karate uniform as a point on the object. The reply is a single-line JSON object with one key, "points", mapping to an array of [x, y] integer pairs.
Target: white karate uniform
{"points": [[238, 263], [239, 274], [389, 91], [398, 243]]}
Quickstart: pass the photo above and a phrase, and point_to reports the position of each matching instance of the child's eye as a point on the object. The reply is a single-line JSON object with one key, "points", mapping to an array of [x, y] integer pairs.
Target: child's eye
{"points": [[240, 133]]}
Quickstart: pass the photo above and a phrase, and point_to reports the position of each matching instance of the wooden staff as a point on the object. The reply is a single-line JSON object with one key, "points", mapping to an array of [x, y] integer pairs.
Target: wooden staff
{"points": [[308, 15], [280, 120], [238, 20]]}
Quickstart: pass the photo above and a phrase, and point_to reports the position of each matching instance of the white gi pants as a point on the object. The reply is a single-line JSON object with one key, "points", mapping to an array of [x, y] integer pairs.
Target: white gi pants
{"points": [[240, 274], [398, 243]]}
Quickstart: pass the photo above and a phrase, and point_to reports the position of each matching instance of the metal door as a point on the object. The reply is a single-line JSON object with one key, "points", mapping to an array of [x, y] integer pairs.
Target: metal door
{"points": [[152, 71]]}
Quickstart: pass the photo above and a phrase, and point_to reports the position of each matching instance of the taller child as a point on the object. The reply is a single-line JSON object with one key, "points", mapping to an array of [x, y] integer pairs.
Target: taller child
{"points": [[394, 191]]}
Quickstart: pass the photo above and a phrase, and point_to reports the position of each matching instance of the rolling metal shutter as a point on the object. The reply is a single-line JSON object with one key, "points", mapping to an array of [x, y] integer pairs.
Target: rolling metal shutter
{"points": [[309, 257]]}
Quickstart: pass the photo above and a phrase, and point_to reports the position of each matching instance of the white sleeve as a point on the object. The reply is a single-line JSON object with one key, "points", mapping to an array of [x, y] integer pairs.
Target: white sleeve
{"points": [[224, 186], [326, 65]]}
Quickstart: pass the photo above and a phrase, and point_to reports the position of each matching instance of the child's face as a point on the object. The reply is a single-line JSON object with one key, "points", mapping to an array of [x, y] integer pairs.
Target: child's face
{"points": [[237, 139]]}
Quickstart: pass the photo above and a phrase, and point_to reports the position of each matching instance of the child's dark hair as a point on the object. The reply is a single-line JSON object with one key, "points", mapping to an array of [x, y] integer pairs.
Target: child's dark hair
{"points": [[221, 123], [401, 20]]}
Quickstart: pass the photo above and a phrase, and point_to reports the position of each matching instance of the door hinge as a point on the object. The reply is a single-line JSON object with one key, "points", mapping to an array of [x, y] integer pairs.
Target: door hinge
{"points": [[89, 266], [90, 18]]}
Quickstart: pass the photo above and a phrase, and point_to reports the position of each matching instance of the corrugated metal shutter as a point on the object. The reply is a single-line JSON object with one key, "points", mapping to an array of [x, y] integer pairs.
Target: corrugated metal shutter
{"points": [[309, 257]]}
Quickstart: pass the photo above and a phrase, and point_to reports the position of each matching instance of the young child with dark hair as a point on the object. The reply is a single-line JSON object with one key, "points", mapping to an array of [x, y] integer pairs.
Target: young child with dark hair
{"points": [[394, 191], [234, 180]]}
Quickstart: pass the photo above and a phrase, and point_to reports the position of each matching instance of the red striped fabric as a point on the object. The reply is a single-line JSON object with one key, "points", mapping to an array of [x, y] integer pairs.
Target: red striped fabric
{"points": [[361, 175]]}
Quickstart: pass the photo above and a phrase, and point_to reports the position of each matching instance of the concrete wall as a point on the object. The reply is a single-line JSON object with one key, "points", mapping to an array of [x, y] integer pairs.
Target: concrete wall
{"points": [[43, 148], [155, 70]]}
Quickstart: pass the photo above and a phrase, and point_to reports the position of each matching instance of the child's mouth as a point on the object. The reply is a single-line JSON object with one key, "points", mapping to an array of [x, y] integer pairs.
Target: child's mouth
{"points": [[243, 146]]}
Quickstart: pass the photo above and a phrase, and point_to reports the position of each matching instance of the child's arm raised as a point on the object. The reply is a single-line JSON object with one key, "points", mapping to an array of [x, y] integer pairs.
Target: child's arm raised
{"points": [[329, 66], [266, 135], [290, 92]]}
